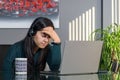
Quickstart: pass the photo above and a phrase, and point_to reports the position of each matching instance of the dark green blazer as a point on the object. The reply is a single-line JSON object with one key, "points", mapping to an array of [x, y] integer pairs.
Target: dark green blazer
{"points": [[17, 51]]}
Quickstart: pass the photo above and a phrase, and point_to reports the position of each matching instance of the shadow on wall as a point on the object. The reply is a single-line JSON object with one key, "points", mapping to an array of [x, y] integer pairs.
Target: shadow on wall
{"points": [[3, 51]]}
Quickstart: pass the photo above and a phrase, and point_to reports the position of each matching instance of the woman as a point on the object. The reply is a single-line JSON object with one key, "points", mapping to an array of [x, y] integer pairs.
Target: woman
{"points": [[40, 46]]}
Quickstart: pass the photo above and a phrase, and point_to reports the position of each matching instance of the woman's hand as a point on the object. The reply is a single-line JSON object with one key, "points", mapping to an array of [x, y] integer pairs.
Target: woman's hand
{"points": [[51, 32]]}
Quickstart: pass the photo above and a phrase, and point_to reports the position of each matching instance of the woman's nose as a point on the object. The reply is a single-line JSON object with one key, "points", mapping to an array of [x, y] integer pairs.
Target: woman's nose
{"points": [[46, 39]]}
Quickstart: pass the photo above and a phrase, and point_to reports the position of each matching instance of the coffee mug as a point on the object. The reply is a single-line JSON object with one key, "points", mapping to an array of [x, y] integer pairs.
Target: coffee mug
{"points": [[21, 65]]}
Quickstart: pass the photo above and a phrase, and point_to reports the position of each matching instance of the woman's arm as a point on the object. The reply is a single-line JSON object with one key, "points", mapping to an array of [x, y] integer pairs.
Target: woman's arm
{"points": [[9, 61], [8, 64], [54, 57]]}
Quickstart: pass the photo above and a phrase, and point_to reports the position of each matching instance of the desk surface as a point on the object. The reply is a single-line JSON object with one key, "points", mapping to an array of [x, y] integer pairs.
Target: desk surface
{"points": [[100, 76]]}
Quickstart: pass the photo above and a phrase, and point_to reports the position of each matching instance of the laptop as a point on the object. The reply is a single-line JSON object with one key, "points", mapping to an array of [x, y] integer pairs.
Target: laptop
{"points": [[81, 57]]}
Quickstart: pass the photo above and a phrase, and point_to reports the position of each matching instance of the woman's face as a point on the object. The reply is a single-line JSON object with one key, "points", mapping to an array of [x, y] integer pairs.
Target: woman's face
{"points": [[41, 38]]}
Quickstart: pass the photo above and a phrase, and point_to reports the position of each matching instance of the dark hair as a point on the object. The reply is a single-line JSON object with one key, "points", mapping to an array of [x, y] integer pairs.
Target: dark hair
{"points": [[37, 25]]}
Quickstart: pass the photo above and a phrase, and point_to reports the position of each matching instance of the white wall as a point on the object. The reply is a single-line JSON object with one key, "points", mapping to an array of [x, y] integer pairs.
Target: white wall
{"points": [[111, 12]]}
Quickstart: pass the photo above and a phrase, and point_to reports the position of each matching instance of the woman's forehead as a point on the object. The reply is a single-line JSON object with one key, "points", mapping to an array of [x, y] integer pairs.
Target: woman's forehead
{"points": [[48, 28]]}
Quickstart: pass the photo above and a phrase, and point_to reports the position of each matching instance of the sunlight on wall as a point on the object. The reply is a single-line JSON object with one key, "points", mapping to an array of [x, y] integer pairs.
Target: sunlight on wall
{"points": [[81, 27], [116, 11]]}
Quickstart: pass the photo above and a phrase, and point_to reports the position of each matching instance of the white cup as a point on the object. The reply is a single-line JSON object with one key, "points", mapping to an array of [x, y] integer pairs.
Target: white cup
{"points": [[20, 65]]}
